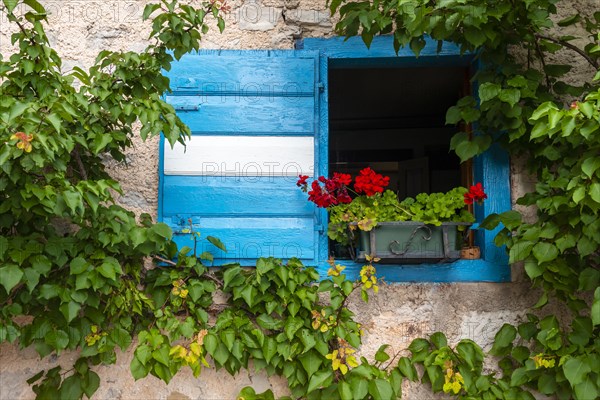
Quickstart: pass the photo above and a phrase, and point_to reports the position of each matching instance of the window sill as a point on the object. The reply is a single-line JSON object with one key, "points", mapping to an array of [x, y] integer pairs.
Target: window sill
{"points": [[457, 271]]}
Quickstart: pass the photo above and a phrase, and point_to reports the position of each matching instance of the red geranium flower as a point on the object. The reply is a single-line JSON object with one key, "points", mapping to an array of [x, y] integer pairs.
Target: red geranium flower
{"points": [[344, 179], [369, 182], [302, 182], [475, 194]]}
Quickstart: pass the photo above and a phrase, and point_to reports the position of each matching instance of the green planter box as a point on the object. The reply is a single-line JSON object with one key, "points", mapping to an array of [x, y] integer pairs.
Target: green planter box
{"points": [[411, 242]]}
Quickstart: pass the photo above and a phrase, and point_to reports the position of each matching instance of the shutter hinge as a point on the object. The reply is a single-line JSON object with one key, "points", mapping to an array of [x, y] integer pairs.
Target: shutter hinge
{"points": [[321, 87], [187, 107], [319, 228]]}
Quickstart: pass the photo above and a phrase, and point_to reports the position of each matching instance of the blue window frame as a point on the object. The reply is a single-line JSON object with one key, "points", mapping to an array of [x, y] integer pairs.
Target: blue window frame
{"points": [[228, 206]]}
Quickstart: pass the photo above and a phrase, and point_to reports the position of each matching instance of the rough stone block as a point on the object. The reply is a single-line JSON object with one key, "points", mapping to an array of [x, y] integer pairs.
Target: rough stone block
{"points": [[308, 17], [252, 16]]}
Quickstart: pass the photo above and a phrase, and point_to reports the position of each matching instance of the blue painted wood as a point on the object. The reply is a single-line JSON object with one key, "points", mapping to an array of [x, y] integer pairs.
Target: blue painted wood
{"points": [[458, 271], [270, 93], [352, 52], [161, 176], [492, 168], [246, 74], [232, 114], [258, 196], [322, 152], [247, 239], [278, 236]]}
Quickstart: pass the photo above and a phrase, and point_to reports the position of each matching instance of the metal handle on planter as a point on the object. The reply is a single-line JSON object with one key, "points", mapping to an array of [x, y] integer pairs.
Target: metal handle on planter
{"points": [[410, 239]]}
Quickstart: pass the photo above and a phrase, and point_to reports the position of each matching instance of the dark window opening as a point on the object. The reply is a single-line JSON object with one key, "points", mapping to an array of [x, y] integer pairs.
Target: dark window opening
{"points": [[393, 120]]}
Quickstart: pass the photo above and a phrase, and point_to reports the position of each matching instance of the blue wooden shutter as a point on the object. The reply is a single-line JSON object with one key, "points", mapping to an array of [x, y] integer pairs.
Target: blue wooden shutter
{"points": [[254, 120]]}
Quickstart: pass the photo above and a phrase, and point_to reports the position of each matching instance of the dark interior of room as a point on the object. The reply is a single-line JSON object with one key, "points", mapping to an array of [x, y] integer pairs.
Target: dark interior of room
{"points": [[393, 120]]}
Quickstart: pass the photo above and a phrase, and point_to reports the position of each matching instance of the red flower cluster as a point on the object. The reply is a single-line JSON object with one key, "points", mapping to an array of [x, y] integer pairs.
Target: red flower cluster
{"points": [[369, 182], [475, 194], [327, 192]]}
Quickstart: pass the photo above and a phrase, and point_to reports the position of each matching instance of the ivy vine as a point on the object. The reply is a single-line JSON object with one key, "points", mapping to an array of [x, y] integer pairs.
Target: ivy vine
{"points": [[530, 105], [73, 269]]}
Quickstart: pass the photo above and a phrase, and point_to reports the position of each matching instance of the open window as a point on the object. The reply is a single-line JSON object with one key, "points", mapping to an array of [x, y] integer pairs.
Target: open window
{"points": [[393, 120], [260, 118]]}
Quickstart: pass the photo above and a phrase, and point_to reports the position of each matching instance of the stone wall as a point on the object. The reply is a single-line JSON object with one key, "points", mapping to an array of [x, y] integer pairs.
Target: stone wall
{"points": [[399, 313]]}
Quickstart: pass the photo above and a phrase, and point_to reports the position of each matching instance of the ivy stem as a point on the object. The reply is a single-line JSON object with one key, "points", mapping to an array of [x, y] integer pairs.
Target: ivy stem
{"points": [[542, 60], [568, 45], [80, 163]]}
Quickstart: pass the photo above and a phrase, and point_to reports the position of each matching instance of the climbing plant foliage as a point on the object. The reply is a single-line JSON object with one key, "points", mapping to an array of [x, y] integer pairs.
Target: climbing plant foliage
{"points": [[538, 109], [76, 270]]}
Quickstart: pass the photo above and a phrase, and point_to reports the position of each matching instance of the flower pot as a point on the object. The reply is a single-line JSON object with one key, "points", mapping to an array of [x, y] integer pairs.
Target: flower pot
{"points": [[411, 242], [470, 253]]}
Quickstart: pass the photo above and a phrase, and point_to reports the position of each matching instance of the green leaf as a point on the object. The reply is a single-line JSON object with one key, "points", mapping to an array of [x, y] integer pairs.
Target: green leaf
{"points": [[57, 339], [162, 230], [216, 242], [519, 377], [210, 343], [569, 20], [267, 322], [381, 355], [595, 311], [92, 382], [318, 380], [545, 252], [475, 36], [543, 110], [470, 352], [438, 339], [587, 389], [488, 91], [590, 165], [520, 251], [10, 4], [291, 327], [10, 276], [70, 310], [576, 369], [55, 121], [381, 390], [108, 270], [466, 150], [581, 331], [307, 339], [510, 96], [17, 108], [161, 355], [586, 109], [345, 390], [78, 265], [503, 339], [138, 371], [360, 388], [579, 194], [311, 361], [417, 44], [144, 353], [269, 349], [557, 69], [540, 129], [453, 116], [121, 338], [595, 192], [70, 389], [149, 9], [589, 279], [407, 369], [534, 269], [100, 142]]}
